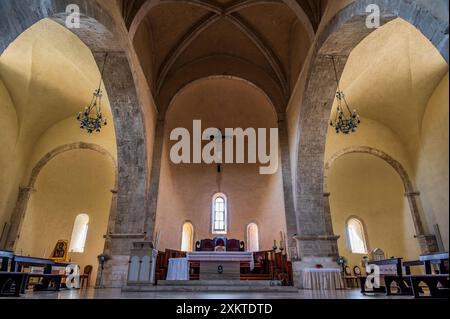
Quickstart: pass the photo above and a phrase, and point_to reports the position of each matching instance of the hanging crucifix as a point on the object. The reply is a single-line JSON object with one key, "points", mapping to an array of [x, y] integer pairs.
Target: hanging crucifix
{"points": [[220, 138]]}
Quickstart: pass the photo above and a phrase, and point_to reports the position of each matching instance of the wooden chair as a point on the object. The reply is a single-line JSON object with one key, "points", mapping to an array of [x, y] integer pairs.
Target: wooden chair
{"points": [[350, 280], [205, 245], [235, 245], [86, 276]]}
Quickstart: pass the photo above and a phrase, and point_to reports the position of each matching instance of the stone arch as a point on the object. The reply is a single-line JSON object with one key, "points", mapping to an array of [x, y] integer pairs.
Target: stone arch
{"points": [[100, 34], [227, 77], [284, 158], [410, 192], [25, 192], [66, 148], [343, 33]]}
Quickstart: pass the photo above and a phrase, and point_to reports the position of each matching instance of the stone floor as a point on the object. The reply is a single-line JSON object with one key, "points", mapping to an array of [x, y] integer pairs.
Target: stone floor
{"points": [[118, 294]]}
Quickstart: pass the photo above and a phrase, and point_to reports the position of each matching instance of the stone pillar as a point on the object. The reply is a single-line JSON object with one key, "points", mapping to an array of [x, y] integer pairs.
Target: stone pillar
{"points": [[317, 249], [427, 243], [291, 223], [129, 216], [314, 228], [107, 248], [150, 217], [18, 216]]}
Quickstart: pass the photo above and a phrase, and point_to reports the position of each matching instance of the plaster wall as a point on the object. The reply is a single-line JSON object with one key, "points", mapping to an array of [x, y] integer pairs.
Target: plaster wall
{"points": [[367, 187], [72, 183]]}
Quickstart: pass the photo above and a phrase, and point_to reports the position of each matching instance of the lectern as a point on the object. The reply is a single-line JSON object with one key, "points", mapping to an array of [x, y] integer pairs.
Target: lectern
{"points": [[141, 269]]}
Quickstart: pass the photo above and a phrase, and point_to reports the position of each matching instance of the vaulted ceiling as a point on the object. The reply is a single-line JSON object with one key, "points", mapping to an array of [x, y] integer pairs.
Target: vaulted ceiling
{"points": [[262, 41]]}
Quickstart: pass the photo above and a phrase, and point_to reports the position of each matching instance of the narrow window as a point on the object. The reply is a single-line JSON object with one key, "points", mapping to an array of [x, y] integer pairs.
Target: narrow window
{"points": [[252, 237], [356, 237], [187, 237], [79, 234], [219, 214]]}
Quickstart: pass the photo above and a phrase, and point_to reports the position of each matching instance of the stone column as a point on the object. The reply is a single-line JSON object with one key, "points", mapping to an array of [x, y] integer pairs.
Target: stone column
{"points": [[110, 230], [291, 223], [150, 217], [316, 241], [18, 216], [132, 166], [428, 243]]}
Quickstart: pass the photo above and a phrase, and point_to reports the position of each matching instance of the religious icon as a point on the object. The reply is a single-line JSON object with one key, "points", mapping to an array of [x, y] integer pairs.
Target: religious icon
{"points": [[60, 252]]}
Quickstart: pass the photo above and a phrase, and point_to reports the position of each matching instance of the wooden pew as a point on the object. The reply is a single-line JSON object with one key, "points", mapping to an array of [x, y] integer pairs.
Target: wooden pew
{"points": [[11, 283], [438, 284], [409, 284], [402, 282], [19, 263], [6, 257], [441, 259]]}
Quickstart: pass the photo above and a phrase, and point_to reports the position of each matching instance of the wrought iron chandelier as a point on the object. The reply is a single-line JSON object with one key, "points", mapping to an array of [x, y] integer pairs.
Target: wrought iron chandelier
{"points": [[345, 121], [91, 119]]}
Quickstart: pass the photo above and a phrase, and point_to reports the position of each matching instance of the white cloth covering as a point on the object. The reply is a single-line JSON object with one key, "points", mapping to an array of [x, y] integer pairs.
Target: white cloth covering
{"points": [[178, 269], [322, 279]]}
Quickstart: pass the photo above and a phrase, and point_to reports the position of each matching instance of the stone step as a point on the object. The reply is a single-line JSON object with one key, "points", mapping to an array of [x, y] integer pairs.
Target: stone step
{"points": [[234, 283], [215, 288]]}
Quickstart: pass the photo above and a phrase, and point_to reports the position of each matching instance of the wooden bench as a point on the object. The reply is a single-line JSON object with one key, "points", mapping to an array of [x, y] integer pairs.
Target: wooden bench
{"points": [[438, 284], [441, 259], [20, 262], [12, 283], [6, 257], [401, 281], [409, 284]]}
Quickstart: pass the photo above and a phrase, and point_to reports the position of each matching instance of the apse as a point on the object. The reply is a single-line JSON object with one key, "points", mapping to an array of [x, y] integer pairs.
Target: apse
{"points": [[188, 191]]}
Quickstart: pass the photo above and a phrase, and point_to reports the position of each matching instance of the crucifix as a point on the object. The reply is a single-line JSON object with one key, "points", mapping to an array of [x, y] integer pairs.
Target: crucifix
{"points": [[220, 138]]}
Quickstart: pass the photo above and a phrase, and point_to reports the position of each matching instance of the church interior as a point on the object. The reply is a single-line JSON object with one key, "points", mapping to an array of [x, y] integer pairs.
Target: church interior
{"points": [[92, 204]]}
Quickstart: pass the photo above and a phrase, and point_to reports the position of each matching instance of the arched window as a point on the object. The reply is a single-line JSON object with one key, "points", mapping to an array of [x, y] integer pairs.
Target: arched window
{"points": [[219, 214], [187, 237], [79, 233], [252, 237], [356, 236]]}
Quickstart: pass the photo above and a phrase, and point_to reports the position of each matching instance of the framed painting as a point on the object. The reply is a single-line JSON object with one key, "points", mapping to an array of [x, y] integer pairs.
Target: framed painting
{"points": [[61, 251]]}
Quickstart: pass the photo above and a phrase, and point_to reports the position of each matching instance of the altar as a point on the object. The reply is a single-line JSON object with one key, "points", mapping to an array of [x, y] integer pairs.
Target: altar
{"points": [[214, 265]]}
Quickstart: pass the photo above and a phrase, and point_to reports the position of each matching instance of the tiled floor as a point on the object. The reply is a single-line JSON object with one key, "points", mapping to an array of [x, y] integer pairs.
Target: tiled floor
{"points": [[118, 294]]}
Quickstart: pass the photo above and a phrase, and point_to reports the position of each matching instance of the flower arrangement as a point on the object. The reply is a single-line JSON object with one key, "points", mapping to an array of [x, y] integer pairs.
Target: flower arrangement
{"points": [[319, 266]]}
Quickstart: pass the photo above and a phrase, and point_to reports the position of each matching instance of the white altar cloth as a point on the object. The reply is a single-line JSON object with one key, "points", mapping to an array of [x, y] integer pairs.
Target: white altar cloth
{"points": [[241, 256], [321, 279], [178, 269]]}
